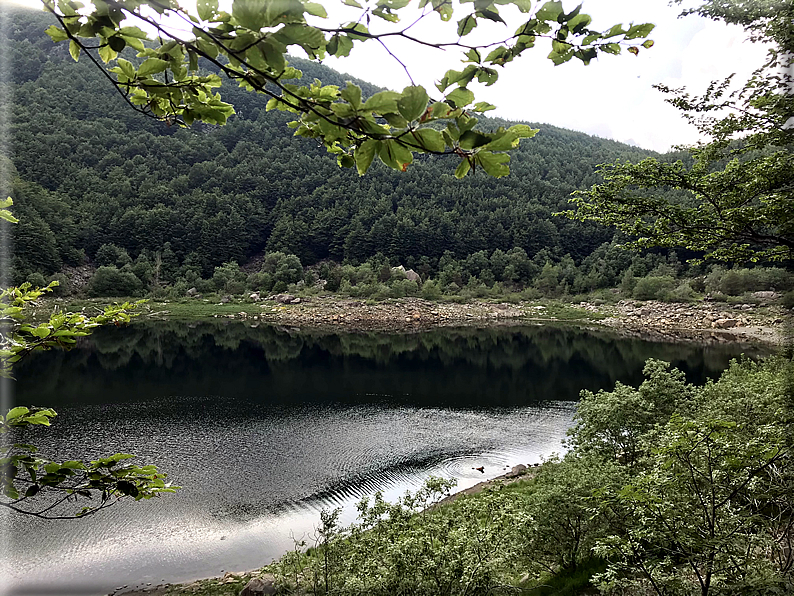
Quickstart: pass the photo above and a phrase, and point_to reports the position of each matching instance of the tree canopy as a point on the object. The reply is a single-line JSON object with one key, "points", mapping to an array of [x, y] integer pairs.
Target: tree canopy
{"points": [[249, 45], [734, 196]]}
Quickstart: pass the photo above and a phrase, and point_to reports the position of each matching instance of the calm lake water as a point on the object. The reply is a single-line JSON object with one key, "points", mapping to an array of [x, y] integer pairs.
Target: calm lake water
{"points": [[264, 427]]}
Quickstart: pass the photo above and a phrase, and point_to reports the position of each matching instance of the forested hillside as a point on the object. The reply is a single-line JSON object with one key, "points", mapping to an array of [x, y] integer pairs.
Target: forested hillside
{"points": [[92, 172]]}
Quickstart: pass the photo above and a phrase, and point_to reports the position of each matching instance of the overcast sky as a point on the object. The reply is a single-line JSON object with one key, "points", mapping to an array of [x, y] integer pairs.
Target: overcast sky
{"points": [[612, 97]]}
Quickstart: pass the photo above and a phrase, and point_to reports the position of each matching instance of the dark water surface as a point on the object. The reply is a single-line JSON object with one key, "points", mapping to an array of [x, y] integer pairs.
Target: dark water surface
{"points": [[264, 427]]}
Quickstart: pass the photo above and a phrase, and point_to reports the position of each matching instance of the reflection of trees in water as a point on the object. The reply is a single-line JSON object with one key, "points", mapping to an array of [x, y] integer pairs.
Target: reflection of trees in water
{"points": [[493, 366]]}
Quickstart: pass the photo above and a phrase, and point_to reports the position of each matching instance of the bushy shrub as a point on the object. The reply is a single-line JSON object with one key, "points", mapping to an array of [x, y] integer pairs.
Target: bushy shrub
{"points": [[229, 278], [654, 288], [64, 287], [431, 290], [735, 282], [283, 267], [403, 287], [262, 282], [110, 281], [682, 293], [36, 280]]}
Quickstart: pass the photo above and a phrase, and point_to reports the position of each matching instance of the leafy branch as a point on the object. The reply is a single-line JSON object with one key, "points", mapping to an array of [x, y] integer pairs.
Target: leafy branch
{"points": [[250, 45]]}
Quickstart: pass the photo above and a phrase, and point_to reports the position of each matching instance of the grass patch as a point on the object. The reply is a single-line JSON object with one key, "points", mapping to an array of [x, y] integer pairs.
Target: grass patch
{"points": [[561, 311]]}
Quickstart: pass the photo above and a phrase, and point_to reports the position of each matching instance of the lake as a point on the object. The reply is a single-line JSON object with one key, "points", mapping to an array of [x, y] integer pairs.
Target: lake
{"points": [[265, 426]]}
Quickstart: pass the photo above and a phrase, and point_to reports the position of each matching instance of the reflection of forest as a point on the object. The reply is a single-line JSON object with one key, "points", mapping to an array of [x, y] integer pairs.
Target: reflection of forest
{"points": [[459, 366]]}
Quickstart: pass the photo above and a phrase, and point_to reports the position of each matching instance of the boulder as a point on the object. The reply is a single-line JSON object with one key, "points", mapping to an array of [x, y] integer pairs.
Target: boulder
{"points": [[725, 323], [191, 292], [516, 471], [766, 295], [225, 299], [255, 297], [284, 298], [260, 586], [412, 275]]}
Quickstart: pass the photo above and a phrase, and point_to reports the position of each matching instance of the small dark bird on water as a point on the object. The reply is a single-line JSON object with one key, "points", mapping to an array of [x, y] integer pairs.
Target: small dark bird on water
{"points": [[481, 469]]}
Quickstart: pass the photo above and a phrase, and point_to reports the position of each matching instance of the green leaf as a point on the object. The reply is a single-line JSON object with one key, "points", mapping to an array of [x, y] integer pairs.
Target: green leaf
{"points": [[463, 168], [364, 155], [471, 139], [523, 5], [429, 139], [352, 95], [15, 413], [494, 164], [107, 53], [523, 131], [315, 9], [299, 34], [56, 34], [643, 30], [117, 43], [395, 155], [460, 97], [549, 11], [73, 465], [353, 3], [74, 49], [466, 24], [41, 332], [10, 491], [483, 106], [382, 102], [126, 67], [648, 43], [206, 9], [152, 66], [249, 13], [413, 102]]}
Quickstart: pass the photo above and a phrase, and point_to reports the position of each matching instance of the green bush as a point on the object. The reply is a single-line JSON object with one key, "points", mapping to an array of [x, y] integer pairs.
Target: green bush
{"points": [[64, 288], [110, 281], [682, 293], [262, 282], [431, 290], [36, 280], [654, 288]]}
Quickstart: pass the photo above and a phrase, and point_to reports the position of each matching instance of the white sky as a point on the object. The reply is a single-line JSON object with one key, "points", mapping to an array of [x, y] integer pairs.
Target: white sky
{"points": [[612, 97]]}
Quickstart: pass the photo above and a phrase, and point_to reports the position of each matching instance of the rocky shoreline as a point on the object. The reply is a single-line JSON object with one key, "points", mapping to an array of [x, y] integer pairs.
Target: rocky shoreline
{"points": [[710, 322]]}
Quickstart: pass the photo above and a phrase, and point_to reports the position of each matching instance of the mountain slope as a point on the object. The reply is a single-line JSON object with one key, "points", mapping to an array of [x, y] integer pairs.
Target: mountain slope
{"points": [[93, 172]]}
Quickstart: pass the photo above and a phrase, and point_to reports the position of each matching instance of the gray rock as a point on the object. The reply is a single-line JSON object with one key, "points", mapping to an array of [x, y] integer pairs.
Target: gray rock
{"points": [[516, 471], [725, 323], [766, 295], [260, 586], [412, 275], [255, 297], [191, 292], [225, 299], [284, 298]]}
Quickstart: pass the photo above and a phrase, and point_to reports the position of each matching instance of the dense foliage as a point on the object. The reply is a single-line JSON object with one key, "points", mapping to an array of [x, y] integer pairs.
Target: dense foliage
{"points": [[92, 172], [668, 489]]}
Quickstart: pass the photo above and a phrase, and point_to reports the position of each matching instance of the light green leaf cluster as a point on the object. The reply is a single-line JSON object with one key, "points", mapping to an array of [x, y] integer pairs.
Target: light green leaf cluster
{"points": [[250, 45]]}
